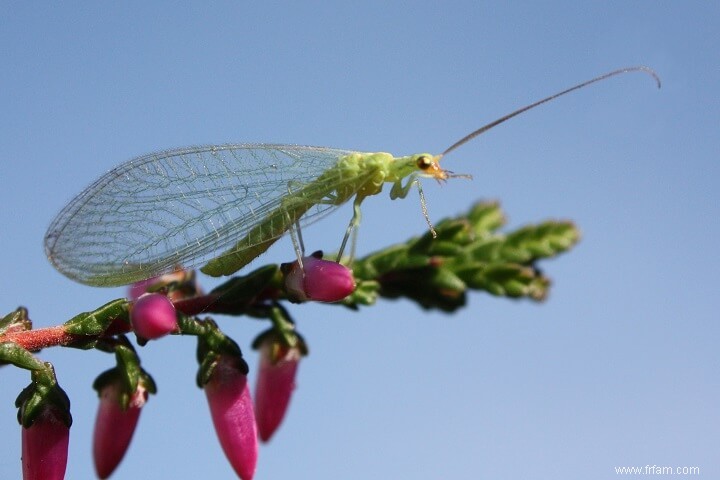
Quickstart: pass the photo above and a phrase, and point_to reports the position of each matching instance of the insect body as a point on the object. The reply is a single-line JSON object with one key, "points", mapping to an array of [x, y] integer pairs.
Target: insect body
{"points": [[355, 174], [221, 206]]}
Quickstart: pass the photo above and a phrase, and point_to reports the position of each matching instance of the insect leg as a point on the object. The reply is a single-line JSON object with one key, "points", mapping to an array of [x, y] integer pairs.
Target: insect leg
{"points": [[297, 242], [423, 207], [354, 222], [400, 191], [296, 233], [353, 244], [298, 230]]}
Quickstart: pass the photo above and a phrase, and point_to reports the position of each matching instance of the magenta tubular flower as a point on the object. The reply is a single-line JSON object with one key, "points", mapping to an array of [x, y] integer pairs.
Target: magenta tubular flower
{"points": [[275, 384], [153, 316], [231, 409], [114, 427], [45, 447], [319, 280]]}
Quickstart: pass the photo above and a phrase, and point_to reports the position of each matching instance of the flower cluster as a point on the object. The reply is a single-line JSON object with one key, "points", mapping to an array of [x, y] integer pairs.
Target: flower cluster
{"points": [[467, 254]]}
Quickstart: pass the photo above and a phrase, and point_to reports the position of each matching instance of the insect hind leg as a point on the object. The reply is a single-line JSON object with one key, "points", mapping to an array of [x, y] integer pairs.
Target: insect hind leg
{"points": [[296, 232], [297, 241], [351, 230]]}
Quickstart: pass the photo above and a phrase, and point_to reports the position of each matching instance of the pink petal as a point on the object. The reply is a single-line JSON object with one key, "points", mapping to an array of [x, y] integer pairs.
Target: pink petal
{"points": [[153, 316], [275, 384], [319, 280], [232, 414], [114, 429], [45, 448]]}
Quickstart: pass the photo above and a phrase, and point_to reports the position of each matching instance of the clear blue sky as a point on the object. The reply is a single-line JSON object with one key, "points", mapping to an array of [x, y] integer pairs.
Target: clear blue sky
{"points": [[619, 367]]}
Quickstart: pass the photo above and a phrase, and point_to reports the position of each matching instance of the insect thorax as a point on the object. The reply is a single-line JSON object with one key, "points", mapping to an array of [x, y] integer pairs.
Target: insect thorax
{"points": [[363, 174]]}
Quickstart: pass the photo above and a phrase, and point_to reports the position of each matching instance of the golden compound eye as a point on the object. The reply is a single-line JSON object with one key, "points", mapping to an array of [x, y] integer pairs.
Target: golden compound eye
{"points": [[424, 162]]}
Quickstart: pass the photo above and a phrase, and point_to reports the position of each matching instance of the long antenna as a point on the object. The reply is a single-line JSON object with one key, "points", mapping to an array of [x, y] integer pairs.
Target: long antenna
{"points": [[500, 120]]}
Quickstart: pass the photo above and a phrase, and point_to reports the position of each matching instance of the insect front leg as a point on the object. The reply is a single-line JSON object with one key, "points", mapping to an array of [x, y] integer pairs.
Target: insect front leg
{"points": [[399, 190]]}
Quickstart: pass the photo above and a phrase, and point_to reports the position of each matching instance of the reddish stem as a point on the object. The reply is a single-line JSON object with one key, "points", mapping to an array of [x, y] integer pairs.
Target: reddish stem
{"points": [[34, 340], [37, 339]]}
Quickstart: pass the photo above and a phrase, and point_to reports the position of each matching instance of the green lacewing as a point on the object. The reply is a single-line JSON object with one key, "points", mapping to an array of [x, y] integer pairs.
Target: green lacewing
{"points": [[221, 206]]}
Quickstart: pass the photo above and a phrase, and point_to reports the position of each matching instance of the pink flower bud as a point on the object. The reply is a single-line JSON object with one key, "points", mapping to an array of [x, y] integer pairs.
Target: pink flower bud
{"points": [[232, 414], [275, 384], [114, 427], [153, 316], [319, 280], [45, 447]]}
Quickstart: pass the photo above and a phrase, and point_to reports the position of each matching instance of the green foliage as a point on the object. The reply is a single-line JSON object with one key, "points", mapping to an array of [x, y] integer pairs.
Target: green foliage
{"points": [[42, 393], [16, 321], [127, 374], [468, 253], [98, 320]]}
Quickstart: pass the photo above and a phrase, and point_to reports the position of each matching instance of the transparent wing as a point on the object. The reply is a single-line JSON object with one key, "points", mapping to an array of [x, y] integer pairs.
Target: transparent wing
{"points": [[180, 208]]}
